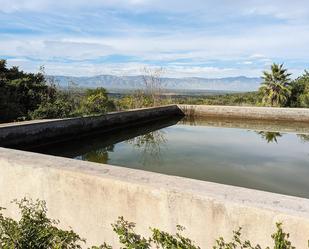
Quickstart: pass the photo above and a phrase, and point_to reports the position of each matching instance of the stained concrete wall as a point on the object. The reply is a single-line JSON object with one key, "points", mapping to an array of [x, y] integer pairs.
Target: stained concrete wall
{"points": [[241, 112], [36, 132], [20, 133], [89, 197], [249, 124]]}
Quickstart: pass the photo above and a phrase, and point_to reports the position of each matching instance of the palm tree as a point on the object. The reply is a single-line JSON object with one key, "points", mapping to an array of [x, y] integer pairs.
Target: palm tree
{"points": [[269, 136], [275, 86]]}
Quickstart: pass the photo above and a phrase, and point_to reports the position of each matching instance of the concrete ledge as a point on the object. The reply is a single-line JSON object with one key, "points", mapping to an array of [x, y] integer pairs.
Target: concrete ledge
{"points": [[249, 124], [240, 112], [90, 196], [40, 131]]}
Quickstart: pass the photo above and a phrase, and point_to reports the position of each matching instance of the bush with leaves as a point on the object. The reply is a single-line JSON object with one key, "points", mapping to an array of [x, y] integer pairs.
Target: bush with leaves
{"points": [[35, 230], [159, 239], [300, 91], [280, 238], [62, 106], [138, 99], [96, 102], [21, 93]]}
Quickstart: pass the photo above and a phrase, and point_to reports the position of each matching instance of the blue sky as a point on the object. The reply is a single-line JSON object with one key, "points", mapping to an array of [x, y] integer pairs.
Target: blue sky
{"points": [[199, 38]]}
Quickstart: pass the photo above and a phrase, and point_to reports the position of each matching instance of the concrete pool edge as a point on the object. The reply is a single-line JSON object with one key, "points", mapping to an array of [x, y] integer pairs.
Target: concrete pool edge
{"points": [[153, 198], [248, 112], [37, 131]]}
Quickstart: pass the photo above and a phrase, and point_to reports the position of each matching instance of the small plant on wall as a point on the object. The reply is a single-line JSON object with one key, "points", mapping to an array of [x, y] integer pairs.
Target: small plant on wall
{"points": [[34, 230]]}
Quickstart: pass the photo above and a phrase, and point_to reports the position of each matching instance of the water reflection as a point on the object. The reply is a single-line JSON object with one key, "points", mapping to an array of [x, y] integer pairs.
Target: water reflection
{"points": [[99, 155], [248, 124], [97, 147], [252, 154], [150, 146], [270, 137], [189, 120], [304, 138], [270, 131]]}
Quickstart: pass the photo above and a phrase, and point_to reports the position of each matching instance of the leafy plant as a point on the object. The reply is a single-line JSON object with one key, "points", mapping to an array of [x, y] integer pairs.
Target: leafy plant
{"points": [[21, 92], [159, 239], [96, 102], [300, 91], [280, 238], [35, 230], [275, 87]]}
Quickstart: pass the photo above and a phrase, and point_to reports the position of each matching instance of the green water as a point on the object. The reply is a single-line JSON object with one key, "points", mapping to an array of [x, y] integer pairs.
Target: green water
{"points": [[234, 153]]}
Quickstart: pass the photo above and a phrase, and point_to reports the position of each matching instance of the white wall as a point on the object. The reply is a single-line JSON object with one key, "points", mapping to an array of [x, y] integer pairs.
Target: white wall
{"points": [[89, 197]]}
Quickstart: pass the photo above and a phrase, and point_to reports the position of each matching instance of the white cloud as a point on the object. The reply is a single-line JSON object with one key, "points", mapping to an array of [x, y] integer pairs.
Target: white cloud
{"points": [[181, 49]]}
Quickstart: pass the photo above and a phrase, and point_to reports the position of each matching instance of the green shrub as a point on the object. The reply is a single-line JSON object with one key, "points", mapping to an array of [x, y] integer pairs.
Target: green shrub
{"points": [[35, 230], [21, 93], [96, 102], [62, 106], [300, 91]]}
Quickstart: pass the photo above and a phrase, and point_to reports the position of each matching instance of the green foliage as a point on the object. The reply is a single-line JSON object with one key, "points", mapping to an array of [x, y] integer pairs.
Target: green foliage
{"points": [[71, 103], [167, 241], [270, 137], [62, 106], [164, 240], [30, 96], [280, 238], [128, 237], [300, 91], [243, 99], [21, 93], [235, 243], [130, 240], [275, 87], [136, 100], [96, 102], [35, 230]]}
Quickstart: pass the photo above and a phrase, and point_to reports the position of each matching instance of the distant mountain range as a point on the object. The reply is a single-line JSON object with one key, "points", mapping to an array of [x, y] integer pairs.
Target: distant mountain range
{"points": [[240, 83]]}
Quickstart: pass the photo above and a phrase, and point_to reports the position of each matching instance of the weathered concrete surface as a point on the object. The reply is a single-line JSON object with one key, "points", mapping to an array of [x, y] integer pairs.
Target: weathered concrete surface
{"points": [[249, 124], [20, 133], [240, 112], [39, 132], [89, 197]]}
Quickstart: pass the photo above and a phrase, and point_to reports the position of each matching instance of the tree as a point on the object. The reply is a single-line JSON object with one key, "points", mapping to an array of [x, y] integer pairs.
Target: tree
{"points": [[300, 91], [275, 86], [270, 137], [21, 93], [62, 106], [96, 102]]}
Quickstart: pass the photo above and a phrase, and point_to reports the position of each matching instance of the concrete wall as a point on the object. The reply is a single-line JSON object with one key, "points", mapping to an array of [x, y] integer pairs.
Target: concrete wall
{"points": [[249, 124], [260, 113], [20, 133], [89, 197]]}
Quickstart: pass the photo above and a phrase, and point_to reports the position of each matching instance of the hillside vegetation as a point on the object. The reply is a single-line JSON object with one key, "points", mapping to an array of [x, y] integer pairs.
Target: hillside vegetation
{"points": [[25, 96]]}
